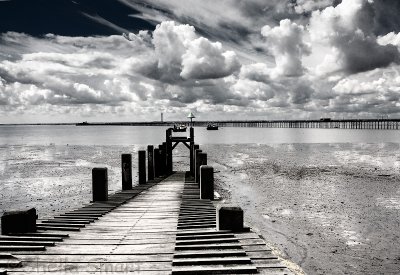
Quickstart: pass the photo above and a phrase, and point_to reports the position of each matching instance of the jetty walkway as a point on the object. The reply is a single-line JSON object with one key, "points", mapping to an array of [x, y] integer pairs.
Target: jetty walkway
{"points": [[162, 226]]}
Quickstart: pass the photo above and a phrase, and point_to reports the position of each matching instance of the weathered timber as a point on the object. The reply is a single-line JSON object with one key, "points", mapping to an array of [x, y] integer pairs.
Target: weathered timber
{"points": [[166, 230]]}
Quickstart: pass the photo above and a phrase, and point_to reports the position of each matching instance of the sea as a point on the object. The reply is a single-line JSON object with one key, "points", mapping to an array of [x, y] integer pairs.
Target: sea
{"points": [[128, 135]]}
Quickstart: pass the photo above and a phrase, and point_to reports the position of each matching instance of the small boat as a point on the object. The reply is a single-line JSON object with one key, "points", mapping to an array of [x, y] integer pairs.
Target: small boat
{"points": [[82, 123], [179, 128], [212, 127]]}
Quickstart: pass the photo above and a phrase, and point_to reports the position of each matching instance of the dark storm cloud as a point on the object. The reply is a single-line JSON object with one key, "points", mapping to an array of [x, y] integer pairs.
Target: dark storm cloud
{"points": [[349, 29], [386, 16], [362, 54]]}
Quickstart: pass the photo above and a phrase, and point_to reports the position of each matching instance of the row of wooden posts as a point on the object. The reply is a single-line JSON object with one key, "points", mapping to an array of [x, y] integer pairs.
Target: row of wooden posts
{"points": [[159, 165]]}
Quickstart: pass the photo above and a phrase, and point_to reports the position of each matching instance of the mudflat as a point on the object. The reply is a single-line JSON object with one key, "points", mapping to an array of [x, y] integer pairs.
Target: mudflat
{"points": [[328, 208]]}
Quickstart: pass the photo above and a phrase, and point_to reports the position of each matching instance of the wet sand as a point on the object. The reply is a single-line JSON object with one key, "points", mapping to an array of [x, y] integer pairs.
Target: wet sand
{"points": [[55, 178], [330, 208]]}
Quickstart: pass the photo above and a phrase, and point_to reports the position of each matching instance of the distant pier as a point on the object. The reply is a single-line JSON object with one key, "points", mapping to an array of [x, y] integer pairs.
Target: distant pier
{"points": [[376, 124]]}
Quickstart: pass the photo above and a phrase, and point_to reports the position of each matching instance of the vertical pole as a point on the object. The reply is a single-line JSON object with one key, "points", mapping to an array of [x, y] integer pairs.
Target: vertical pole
{"points": [[169, 150], [99, 184], [142, 166], [126, 167], [164, 144], [191, 149], [196, 164], [150, 162], [202, 160], [206, 182], [162, 160], [157, 162], [193, 168]]}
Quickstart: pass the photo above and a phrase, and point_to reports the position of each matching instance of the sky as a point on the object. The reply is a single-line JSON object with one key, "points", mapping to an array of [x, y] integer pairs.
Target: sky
{"points": [[131, 60]]}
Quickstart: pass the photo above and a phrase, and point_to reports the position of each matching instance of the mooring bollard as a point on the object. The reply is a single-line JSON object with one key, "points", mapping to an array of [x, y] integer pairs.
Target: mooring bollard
{"points": [[157, 162], [230, 218], [196, 164], [206, 182], [126, 167], [150, 162], [202, 161], [100, 184], [142, 166], [19, 221]]}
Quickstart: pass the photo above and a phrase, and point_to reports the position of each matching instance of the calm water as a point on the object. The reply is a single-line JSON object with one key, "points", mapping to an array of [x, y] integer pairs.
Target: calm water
{"points": [[127, 135]]}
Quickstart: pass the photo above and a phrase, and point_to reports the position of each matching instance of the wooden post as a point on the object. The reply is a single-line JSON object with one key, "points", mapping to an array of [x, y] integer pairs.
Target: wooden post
{"points": [[100, 184], [198, 162], [142, 166], [195, 163], [18, 221], [202, 161], [150, 162], [126, 167], [162, 159], [169, 151], [191, 149], [157, 162], [230, 218], [206, 182], [193, 159]]}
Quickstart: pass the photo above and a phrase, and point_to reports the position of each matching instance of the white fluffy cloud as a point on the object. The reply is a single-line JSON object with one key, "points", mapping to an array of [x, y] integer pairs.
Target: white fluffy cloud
{"points": [[204, 60], [180, 52], [236, 67], [287, 46], [390, 39]]}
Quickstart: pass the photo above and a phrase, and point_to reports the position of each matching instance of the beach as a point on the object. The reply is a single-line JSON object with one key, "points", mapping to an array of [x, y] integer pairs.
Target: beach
{"points": [[330, 208], [327, 208]]}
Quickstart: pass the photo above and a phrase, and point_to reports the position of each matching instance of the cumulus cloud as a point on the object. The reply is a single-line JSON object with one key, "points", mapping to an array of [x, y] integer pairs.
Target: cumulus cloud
{"points": [[302, 93], [347, 30], [286, 44], [170, 42], [205, 60], [259, 72], [173, 67], [181, 53], [253, 71]]}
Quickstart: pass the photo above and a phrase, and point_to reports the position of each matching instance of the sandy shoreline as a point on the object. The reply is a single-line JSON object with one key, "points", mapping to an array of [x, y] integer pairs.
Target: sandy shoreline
{"points": [[330, 208]]}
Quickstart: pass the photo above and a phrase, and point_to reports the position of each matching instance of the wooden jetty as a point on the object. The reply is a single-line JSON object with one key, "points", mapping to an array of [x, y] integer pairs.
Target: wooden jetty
{"points": [[166, 225]]}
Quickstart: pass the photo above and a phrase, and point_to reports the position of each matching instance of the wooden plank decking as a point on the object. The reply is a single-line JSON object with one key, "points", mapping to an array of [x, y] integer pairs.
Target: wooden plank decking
{"points": [[162, 229]]}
